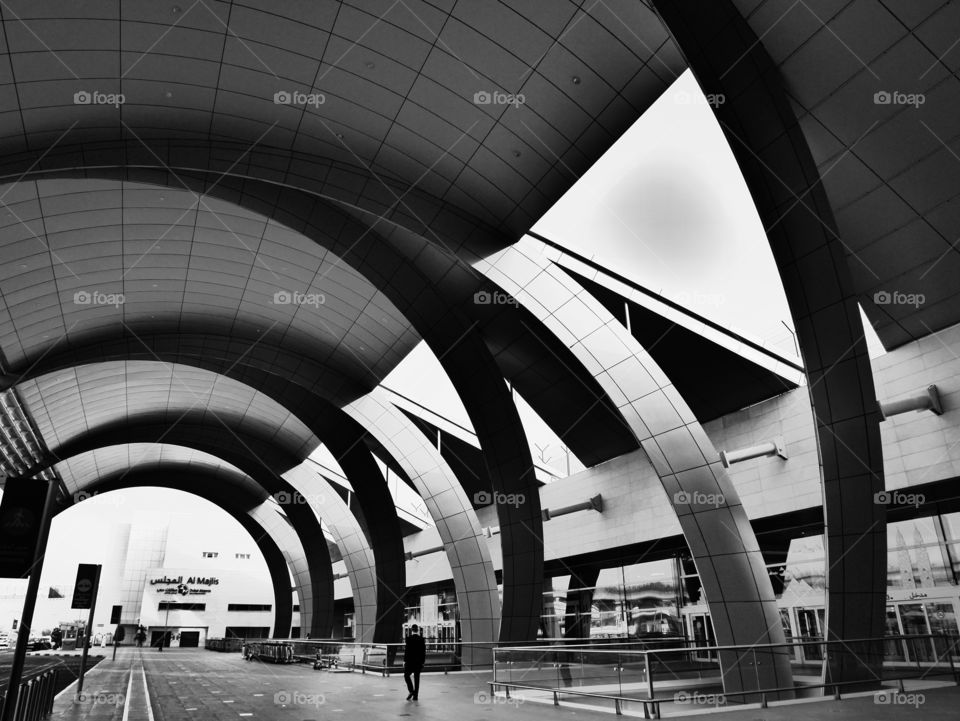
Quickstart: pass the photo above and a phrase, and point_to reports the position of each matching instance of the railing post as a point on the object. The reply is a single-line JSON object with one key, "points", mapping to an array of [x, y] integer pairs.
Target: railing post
{"points": [[646, 666], [953, 670]]}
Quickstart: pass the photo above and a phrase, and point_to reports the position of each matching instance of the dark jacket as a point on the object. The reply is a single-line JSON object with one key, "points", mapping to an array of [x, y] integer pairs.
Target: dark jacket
{"points": [[415, 653]]}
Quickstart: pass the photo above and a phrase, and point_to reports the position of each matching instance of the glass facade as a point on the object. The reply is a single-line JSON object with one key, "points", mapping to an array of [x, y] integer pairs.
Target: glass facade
{"points": [[641, 600]]}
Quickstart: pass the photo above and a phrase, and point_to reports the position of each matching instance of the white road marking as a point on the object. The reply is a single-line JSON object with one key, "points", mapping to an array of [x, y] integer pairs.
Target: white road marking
{"points": [[126, 699], [146, 694]]}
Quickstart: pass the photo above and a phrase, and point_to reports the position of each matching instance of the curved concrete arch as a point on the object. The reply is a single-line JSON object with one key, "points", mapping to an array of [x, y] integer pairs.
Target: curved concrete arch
{"points": [[778, 167], [246, 452], [443, 494], [405, 266], [225, 495], [742, 604], [451, 510], [243, 436], [356, 552]]}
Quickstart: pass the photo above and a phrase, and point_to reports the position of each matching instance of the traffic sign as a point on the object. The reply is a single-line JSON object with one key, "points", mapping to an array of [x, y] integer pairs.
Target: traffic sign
{"points": [[21, 511], [84, 590]]}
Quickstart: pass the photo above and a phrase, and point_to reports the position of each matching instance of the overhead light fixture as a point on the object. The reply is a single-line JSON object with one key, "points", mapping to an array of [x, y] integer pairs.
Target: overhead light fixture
{"points": [[575, 79], [370, 64]]}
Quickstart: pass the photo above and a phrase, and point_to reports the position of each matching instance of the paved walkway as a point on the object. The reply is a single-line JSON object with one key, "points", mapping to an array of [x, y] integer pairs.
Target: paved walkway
{"points": [[181, 685]]}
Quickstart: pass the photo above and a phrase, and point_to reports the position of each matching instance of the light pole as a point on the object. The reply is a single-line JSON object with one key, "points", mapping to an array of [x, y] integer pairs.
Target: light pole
{"points": [[166, 630]]}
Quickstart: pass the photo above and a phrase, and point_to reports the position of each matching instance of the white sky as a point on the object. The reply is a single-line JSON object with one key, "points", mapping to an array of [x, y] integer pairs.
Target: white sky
{"points": [[94, 520], [667, 207]]}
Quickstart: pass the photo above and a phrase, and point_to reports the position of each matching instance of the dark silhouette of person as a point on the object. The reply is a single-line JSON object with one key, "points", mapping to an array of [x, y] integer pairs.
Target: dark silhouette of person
{"points": [[56, 638], [414, 656]]}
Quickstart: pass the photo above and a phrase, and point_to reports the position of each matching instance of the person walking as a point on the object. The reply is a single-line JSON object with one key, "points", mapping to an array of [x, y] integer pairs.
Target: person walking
{"points": [[414, 656]]}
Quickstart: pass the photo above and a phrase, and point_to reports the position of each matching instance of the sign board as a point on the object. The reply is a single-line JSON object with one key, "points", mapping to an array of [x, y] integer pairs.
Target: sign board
{"points": [[115, 613], [88, 576], [21, 513]]}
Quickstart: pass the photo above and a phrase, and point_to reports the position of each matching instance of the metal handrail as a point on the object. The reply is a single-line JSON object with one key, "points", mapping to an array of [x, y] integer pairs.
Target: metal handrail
{"points": [[651, 703], [770, 646], [35, 696]]}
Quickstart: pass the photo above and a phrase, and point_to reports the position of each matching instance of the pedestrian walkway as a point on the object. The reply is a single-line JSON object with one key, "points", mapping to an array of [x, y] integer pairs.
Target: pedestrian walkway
{"points": [[193, 684]]}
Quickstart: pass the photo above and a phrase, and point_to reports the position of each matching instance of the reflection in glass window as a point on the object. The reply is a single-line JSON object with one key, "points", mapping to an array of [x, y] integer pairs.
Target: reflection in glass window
{"points": [[915, 556]]}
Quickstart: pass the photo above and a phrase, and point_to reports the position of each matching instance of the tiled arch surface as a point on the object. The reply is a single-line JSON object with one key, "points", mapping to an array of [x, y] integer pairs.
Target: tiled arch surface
{"points": [[373, 506], [742, 605], [779, 170], [450, 509], [350, 538], [311, 591], [422, 278], [276, 541]]}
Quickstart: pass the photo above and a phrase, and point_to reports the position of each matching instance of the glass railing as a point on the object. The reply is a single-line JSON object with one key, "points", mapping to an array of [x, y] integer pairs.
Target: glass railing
{"points": [[687, 675], [442, 655]]}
